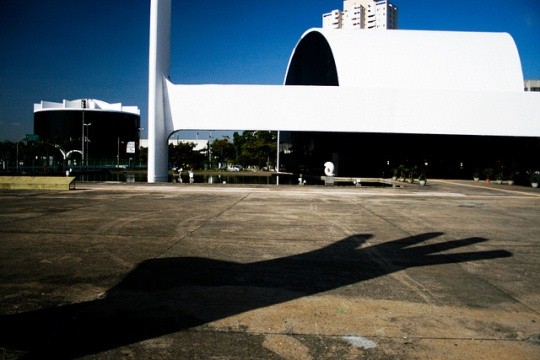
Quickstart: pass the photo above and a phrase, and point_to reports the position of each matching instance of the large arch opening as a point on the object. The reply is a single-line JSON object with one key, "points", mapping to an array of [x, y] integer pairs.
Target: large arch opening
{"points": [[312, 63]]}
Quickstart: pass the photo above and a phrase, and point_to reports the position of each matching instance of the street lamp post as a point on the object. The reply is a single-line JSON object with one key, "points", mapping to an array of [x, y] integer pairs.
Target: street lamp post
{"points": [[83, 106], [139, 145], [118, 153], [277, 160], [21, 139], [86, 141], [209, 152]]}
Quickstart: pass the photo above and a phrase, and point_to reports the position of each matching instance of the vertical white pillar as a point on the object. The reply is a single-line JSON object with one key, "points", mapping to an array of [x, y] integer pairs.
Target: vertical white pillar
{"points": [[159, 63]]}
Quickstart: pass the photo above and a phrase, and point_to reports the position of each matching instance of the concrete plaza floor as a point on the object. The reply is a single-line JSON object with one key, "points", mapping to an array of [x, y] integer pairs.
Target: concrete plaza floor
{"points": [[187, 271]]}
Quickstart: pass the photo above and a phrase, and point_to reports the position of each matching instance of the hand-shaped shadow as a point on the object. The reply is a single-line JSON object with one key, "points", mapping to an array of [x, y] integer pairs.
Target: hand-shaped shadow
{"points": [[162, 296]]}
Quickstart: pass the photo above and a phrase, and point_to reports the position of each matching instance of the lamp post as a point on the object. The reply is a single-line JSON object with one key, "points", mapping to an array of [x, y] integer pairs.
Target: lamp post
{"points": [[83, 106], [209, 152], [277, 160], [139, 145], [21, 139], [86, 141], [118, 153]]}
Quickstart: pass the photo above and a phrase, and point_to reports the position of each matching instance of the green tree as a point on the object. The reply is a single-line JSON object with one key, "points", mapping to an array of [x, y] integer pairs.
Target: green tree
{"points": [[222, 150], [8, 151], [184, 156], [143, 156], [255, 148]]}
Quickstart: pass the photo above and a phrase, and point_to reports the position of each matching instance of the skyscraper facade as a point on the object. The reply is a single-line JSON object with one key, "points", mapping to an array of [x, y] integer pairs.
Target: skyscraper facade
{"points": [[362, 14]]}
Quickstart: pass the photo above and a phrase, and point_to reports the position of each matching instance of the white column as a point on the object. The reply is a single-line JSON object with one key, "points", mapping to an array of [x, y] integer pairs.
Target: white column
{"points": [[159, 64]]}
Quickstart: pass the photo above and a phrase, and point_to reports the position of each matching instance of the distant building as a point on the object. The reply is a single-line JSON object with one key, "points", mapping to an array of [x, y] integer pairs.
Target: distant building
{"points": [[332, 20], [200, 145], [103, 132], [532, 85], [362, 14]]}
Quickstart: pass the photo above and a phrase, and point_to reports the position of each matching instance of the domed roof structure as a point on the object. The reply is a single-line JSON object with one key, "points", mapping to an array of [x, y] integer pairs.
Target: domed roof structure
{"points": [[461, 61]]}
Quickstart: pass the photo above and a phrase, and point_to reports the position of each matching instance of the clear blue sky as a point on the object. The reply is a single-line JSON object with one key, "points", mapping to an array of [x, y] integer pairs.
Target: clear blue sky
{"points": [[59, 49]]}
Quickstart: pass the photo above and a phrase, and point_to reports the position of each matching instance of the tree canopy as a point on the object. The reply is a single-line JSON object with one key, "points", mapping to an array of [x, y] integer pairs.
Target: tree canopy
{"points": [[255, 148], [184, 156], [249, 149]]}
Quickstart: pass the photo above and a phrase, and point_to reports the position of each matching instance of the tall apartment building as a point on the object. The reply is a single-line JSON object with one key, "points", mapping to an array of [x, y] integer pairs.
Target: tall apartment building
{"points": [[532, 85], [362, 14]]}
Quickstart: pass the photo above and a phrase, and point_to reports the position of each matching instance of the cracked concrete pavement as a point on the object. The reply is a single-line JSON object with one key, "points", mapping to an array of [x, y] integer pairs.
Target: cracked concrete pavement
{"points": [[200, 271]]}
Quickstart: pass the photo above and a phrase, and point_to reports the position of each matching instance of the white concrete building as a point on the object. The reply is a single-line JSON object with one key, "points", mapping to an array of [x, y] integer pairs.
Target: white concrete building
{"points": [[532, 85], [362, 14], [100, 130], [332, 20], [87, 104], [200, 145], [354, 15]]}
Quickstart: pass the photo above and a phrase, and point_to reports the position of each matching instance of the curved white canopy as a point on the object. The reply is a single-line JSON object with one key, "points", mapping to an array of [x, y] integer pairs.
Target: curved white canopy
{"points": [[403, 59], [393, 81]]}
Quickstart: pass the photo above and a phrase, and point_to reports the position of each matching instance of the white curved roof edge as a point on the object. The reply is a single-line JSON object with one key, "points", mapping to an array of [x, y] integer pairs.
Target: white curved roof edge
{"points": [[91, 104], [348, 109], [415, 59]]}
